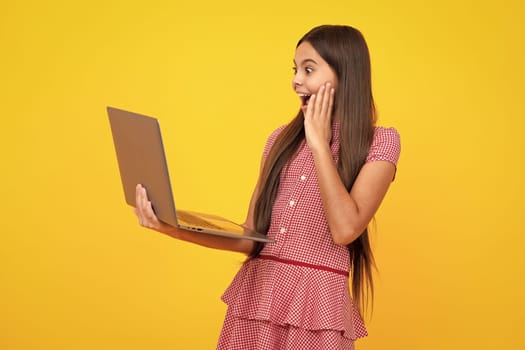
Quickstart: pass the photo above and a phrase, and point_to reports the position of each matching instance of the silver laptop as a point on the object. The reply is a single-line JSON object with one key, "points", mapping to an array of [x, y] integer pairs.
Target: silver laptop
{"points": [[141, 160]]}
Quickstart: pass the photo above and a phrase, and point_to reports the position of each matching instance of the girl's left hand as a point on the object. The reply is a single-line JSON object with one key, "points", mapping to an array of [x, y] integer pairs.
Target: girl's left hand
{"points": [[318, 118]]}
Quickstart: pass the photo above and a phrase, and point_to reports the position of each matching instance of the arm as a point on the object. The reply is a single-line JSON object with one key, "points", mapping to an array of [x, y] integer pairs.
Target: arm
{"points": [[148, 219], [347, 214]]}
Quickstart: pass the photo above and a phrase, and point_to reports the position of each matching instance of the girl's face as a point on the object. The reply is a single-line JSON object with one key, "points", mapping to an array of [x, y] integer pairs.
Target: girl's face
{"points": [[311, 71]]}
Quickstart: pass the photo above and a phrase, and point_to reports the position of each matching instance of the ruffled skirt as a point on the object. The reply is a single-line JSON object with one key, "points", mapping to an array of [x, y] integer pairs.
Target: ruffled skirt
{"points": [[274, 305], [243, 334]]}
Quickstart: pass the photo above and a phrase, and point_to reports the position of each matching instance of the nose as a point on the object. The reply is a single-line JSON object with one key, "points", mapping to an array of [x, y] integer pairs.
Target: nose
{"points": [[296, 81]]}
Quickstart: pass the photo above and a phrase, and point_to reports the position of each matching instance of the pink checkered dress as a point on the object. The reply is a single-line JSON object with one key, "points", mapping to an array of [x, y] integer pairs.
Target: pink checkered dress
{"points": [[296, 294]]}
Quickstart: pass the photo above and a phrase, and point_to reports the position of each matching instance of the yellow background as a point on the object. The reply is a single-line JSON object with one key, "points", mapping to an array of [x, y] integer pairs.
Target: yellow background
{"points": [[77, 272]]}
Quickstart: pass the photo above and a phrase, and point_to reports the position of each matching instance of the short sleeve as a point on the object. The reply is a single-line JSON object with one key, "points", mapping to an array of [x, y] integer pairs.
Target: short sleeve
{"points": [[385, 146], [271, 140]]}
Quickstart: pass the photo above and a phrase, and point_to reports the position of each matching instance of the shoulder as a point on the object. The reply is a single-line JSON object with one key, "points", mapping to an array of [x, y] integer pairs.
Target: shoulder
{"points": [[383, 134], [386, 145], [271, 139], [276, 132]]}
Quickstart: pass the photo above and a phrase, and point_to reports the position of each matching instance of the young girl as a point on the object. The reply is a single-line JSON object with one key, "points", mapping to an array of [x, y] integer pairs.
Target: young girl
{"points": [[322, 178]]}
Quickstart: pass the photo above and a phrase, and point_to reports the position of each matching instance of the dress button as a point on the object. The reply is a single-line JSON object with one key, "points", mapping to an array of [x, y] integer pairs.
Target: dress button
{"points": [[303, 177], [283, 230], [292, 203]]}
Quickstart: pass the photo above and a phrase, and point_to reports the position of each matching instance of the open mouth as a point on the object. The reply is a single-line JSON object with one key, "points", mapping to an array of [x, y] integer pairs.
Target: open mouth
{"points": [[304, 100]]}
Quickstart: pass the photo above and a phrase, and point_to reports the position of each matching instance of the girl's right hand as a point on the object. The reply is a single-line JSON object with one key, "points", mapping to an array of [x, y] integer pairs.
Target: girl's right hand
{"points": [[148, 219], [318, 118], [145, 214]]}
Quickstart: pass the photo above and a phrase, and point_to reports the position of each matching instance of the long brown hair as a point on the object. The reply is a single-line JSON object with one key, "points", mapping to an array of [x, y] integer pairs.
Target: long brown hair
{"points": [[345, 50]]}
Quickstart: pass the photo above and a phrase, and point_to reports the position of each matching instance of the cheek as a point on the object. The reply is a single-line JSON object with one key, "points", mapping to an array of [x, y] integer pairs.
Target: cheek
{"points": [[316, 85], [334, 82], [327, 79]]}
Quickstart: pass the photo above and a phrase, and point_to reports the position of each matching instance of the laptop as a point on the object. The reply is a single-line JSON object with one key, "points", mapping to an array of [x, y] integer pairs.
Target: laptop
{"points": [[141, 159]]}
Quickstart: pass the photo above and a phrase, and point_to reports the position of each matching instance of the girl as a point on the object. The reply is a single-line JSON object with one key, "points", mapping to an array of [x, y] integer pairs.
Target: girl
{"points": [[322, 178]]}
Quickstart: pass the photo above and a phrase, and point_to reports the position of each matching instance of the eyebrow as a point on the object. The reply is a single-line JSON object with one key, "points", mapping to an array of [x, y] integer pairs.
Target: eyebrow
{"points": [[306, 60]]}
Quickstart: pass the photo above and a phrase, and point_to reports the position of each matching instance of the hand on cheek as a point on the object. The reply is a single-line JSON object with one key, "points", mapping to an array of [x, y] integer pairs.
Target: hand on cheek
{"points": [[318, 117]]}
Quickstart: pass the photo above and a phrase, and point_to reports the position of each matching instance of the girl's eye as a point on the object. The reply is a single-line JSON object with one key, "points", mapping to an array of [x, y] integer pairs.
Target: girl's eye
{"points": [[308, 70], [294, 69]]}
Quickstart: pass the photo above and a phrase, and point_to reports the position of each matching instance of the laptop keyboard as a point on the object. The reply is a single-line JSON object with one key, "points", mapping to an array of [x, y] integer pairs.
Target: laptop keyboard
{"points": [[197, 221]]}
